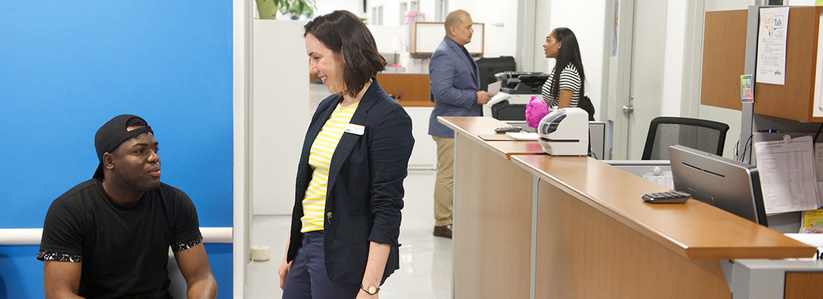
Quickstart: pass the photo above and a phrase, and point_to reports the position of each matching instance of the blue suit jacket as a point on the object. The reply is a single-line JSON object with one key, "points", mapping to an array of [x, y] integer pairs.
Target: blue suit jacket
{"points": [[454, 83], [365, 185]]}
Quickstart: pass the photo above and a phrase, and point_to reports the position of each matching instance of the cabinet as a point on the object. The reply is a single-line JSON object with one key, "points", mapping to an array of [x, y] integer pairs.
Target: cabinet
{"points": [[411, 90], [724, 48], [795, 99], [723, 63]]}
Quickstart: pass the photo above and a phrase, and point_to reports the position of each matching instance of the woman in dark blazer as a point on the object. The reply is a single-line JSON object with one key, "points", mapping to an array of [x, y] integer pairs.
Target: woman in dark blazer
{"points": [[349, 192]]}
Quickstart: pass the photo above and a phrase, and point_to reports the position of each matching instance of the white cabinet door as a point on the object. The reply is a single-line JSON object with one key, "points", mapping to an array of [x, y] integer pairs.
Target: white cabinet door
{"points": [[424, 154]]}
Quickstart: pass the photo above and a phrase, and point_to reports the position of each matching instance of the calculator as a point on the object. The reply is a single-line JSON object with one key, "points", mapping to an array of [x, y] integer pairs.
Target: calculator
{"points": [[666, 197]]}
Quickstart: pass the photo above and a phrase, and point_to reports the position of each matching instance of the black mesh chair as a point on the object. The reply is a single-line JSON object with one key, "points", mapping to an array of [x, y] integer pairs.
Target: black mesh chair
{"points": [[705, 135]]}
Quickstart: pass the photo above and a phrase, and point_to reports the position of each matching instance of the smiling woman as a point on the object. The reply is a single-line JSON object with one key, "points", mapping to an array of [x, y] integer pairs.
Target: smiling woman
{"points": [[341, 33], [350, 176], [326, 64]]}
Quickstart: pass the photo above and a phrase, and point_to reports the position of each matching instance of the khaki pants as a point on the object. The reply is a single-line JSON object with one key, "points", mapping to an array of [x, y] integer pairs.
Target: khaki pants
{"points": [[444, 183]]}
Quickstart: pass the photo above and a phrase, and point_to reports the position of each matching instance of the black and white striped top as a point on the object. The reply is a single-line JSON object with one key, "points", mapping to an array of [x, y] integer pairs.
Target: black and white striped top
{"points": [[569, 79]]}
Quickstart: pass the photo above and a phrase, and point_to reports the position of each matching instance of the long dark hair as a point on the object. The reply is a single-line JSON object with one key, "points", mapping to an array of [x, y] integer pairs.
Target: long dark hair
{"points": [[569, 53], [343, 31]]}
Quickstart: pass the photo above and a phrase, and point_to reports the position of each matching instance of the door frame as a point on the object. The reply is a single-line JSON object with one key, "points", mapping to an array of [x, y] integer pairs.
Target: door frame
{"points": [[242, 22], [620, 80]]}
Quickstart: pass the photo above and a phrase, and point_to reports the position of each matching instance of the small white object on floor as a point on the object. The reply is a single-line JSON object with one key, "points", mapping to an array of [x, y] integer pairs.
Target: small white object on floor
{"points": [[260, 253]]}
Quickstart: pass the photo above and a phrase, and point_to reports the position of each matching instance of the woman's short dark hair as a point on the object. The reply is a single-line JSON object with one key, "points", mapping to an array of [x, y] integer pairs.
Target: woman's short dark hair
{"points": [[569, 53], [343, 31]]}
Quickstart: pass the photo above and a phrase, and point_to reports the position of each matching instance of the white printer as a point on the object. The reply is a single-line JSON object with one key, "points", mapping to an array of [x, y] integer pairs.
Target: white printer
{"points": [[565, 132]]}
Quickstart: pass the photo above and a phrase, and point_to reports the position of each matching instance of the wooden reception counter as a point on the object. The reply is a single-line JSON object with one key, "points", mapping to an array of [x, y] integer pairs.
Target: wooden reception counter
{"points": [[530, 225]]}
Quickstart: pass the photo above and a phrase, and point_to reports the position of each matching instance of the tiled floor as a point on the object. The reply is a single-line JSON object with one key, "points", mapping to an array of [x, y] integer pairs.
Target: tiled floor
{"points": [[425, 261]]}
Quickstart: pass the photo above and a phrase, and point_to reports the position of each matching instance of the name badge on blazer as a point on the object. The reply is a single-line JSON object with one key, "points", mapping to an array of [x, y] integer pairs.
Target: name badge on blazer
{"points": [[355, 129]]}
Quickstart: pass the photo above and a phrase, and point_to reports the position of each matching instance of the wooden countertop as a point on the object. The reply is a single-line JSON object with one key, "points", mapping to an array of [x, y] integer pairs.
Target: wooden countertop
{"points": [[695, 230], [476, 126]]}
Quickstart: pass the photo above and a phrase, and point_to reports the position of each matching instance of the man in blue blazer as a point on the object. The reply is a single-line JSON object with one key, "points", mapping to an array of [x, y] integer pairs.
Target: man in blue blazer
{"points": [[455, 83]]}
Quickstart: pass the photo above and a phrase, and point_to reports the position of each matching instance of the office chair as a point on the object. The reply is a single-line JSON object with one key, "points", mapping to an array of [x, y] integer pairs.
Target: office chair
{"points": [[705, 135]]}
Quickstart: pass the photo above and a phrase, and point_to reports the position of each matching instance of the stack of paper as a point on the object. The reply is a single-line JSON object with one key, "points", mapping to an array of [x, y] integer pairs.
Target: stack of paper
{"points": [[523, 136]]}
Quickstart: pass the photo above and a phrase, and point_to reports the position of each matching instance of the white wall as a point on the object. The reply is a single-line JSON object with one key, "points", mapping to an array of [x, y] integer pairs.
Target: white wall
{"points": [[587, 19], [280, 113], [327, 6], [673, 61], [542, 28], [714, 5], [500, 19], [799, 2], [392, 16], [391, 13]]}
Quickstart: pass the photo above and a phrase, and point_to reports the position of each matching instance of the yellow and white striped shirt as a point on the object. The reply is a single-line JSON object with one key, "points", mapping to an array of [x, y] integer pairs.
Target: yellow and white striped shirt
{"points": [[320, 154]]}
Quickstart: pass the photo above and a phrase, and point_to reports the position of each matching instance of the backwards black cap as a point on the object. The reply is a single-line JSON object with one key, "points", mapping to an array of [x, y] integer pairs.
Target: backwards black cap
{"points": [[114, 133]]}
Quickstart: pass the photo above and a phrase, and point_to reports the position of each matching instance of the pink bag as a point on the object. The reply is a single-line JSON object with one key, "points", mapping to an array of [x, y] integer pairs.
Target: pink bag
{"points": [[536, 109]]}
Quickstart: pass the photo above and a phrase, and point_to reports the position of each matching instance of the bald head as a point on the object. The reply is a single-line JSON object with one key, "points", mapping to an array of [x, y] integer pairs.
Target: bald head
{"points": [[455, 18], [458, 26]]}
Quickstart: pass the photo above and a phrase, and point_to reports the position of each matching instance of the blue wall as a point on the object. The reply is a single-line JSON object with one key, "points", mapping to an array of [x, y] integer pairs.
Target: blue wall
{"points": [[66, 67]]}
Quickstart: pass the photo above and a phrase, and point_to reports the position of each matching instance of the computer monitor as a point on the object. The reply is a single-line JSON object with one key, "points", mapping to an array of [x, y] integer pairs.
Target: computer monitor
{"points": [[489, 66], [721, 182]]}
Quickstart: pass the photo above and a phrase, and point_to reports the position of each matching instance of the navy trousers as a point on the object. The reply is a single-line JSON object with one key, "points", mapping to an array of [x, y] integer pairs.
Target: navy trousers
{"points": [[307, 276]]}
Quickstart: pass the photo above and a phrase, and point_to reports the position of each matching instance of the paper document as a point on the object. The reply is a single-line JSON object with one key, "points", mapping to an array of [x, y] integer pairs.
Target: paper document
{"points": [[818, 171], [771, 45], [494, 137], [523, 136], [746, 90], [812, 222], [493, 88], [787, 174]]}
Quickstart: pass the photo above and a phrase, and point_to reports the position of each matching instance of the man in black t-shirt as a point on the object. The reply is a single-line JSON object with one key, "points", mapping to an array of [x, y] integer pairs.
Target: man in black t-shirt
{"points": [[109, 237]]}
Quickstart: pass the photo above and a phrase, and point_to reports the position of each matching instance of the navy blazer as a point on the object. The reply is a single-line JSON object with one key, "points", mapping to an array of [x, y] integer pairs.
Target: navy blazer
{"points": [[454, 81], [365, 187]]}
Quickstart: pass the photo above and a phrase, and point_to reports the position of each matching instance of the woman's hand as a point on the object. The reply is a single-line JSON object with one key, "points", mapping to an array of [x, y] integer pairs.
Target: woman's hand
{"points": [[363, 295], [283, 272]]}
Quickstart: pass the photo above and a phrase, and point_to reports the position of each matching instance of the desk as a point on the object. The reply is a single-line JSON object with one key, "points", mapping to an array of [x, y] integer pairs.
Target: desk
{"points": [[529, 225], [472, 127], [492, 237]]}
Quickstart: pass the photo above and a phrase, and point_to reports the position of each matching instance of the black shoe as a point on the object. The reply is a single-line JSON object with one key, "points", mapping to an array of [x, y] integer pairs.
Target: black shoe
{"points": [[444, 231]]}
